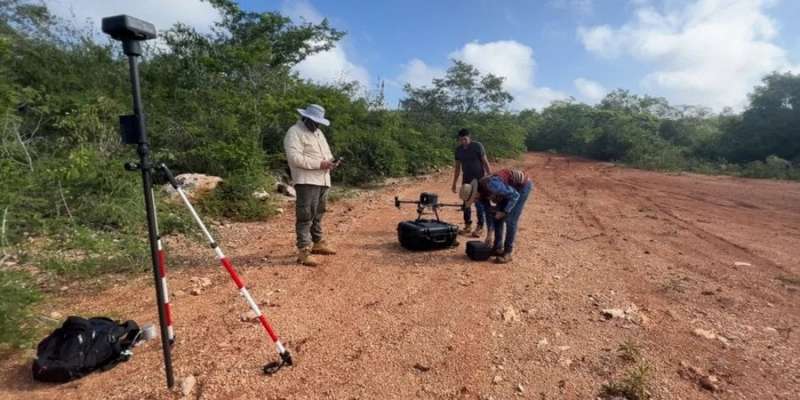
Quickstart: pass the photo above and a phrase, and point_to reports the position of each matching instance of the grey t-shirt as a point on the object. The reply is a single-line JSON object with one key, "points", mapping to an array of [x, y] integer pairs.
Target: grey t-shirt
{"points": [[470, 158]]}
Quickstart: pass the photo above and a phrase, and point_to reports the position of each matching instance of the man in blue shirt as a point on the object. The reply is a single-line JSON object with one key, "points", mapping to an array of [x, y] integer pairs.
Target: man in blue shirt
{"points": [[471, 159], [509, 189]]}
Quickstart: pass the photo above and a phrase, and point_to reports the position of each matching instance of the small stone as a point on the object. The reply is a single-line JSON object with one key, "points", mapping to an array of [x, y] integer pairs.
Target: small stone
{"points": [[509, 314], [205, 282], [542, 343], [421, 367], [280, 210], [770, 329], [497, 379], [187, 385], [705, 334], [56, 315], [565, 362], [520, 388], [179, 293], [64, 288], [610, 313], [563, 348], [709, 383], [196, 292], [249, 316], [742, 264]]}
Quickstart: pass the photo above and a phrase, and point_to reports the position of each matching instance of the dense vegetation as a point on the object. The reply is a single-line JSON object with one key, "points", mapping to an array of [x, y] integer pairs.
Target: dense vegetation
{"points": [[220, 103]]}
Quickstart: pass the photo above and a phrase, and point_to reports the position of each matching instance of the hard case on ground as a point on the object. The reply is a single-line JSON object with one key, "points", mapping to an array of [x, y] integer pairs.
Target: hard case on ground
{"points": [[424, 234]]}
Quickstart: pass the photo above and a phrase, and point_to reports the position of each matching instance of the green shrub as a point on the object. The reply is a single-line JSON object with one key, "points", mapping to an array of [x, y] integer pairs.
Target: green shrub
{"points": [[17, 294]]}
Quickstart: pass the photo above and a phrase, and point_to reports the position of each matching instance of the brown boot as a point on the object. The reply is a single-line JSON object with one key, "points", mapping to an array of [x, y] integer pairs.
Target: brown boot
{"points": [[322, 248], [466, 231], [304, 257]]}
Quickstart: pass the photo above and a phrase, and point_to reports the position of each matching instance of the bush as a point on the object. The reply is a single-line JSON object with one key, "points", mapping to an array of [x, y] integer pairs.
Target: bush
{"points": [[17, 294]]}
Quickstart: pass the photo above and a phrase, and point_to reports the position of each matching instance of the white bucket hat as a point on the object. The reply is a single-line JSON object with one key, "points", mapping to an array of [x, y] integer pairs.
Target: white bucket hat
{"points": [[469, 192], [315, 113]]}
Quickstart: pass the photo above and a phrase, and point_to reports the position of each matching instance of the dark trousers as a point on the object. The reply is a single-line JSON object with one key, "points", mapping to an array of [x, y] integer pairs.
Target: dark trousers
{"points": [[310, 206], [479, 211], [505, 230]]}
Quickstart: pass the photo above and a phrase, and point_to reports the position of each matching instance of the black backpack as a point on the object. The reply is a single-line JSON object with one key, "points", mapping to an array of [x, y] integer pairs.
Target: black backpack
{"points": [[81, 346]]}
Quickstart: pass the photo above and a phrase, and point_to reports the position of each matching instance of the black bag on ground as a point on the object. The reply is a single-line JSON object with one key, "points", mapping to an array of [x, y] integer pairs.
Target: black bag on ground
{"points": [[477, 250], [426, 234], [81, 346]]}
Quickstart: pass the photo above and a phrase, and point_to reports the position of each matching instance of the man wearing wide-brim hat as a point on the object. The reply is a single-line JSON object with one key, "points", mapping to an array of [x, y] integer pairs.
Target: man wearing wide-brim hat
{"points": [[310, 162]]}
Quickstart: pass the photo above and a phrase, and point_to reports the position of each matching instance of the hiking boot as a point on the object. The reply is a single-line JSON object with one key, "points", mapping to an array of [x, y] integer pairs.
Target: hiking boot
{"points": [[322, 248], [466, 231], [478, 232], [304, 257], [504, 259]]}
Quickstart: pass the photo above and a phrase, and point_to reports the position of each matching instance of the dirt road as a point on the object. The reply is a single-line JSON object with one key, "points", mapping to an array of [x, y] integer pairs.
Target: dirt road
{"points": [[702, 271]]}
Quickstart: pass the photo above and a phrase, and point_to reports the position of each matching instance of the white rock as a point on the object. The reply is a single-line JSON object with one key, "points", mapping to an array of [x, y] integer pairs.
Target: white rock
{"points": [[520, 388], [187, 385], [286, 189], [610, 313], [705, 334], [497, 379], [542, 343], [194, 184], [261, 195], [770, 329], [56, 315], [249, 316], [205, 282], [742, 264], [510, 314]]}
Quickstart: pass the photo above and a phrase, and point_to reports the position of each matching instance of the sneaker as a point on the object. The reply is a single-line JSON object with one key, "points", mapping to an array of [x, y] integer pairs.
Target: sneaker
{"points": [[304, 258], [322, 248], [504, 259]]}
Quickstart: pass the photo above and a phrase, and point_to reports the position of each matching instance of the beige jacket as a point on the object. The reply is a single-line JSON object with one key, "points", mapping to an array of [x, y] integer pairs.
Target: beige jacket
{"points": [[305, 150]]}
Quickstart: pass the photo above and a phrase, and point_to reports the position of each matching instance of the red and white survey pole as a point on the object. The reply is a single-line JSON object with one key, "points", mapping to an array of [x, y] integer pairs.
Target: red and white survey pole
{"points": [[286, 357], [162, 272]]}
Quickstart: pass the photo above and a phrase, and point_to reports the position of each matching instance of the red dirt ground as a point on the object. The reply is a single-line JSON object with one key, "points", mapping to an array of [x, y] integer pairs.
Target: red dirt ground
{"points": [[377, 322]]}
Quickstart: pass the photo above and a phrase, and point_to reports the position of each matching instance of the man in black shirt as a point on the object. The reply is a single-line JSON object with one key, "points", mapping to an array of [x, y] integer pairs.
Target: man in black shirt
{"points": [[471, 159]]}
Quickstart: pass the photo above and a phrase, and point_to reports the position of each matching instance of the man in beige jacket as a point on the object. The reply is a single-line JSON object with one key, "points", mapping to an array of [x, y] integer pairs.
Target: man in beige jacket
{"points": [[311, 162]]}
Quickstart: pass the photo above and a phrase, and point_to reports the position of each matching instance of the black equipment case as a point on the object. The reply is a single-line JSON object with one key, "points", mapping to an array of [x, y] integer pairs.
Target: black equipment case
{"points": [[478, 250], [427, 234]]}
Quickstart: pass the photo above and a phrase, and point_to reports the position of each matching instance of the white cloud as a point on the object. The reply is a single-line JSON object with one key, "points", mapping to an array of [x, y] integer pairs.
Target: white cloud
{"points": [[514, 62], [709, 52], [417, 73], [590, 90], [331, 66], [507, 58], [162, 14]]}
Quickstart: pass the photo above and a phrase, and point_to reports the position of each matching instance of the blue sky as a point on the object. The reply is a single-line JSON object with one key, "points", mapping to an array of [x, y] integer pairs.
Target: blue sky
{"points": [[708, 52], [703, 52]]}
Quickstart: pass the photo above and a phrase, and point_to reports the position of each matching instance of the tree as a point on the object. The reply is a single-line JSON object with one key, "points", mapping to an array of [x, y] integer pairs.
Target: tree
{"points": [[771, 123], [462, 91]]}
